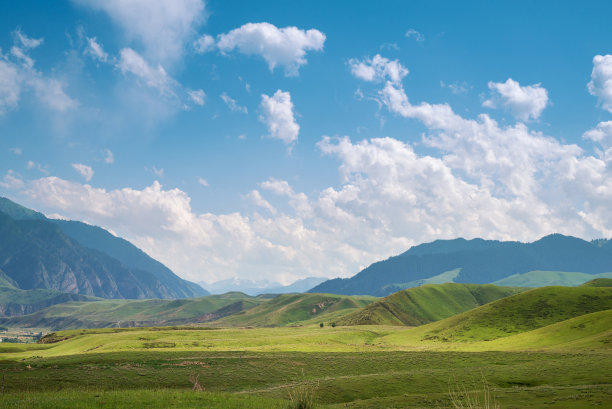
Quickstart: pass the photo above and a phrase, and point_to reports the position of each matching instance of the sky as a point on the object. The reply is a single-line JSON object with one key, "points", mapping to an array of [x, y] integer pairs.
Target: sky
{"points": [[280, 140]]}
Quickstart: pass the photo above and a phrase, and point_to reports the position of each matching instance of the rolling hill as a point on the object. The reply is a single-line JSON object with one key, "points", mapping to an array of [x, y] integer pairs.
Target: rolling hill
{"points": [[428, 303], [302, 309], [73, 257], [520, 313], [135, 313], [477, 261]]}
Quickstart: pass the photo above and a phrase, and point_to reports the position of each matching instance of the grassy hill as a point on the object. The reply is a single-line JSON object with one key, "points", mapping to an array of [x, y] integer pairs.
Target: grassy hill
{"points": [[428, 303], [539, 278], [14, 301], [516, 314], [132, 313], [298, 308], [599, 282]]}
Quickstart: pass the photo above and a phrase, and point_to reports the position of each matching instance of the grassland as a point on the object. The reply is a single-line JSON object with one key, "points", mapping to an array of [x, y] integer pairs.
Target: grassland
{"points": [[288, 309], [428, 303], [130, 313], [542, 348]]}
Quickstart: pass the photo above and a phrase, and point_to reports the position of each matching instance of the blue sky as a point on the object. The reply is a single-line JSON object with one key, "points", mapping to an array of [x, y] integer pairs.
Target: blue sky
{"points": [[276, 141]]}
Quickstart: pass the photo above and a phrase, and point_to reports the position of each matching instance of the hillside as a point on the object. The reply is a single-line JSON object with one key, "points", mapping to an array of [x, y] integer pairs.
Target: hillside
{"points": [[73, 257], [421, 305], [478, 261], [134, 313], [547, 278], [300, 309], [516, 314], [14, 301]]}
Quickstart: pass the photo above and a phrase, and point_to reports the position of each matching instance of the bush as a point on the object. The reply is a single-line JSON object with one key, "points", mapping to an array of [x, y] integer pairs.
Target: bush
{"points": [[321, 325]]}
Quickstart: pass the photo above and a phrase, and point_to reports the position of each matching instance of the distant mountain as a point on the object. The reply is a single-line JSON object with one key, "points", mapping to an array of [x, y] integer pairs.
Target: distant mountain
{"points": [[477, 261], [261, 287], [74, 257]]}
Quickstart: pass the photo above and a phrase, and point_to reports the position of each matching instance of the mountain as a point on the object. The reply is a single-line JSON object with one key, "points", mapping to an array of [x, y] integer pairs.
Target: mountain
{"points": [[252, 287], [477, 261], [428, 303], [134, 313], [74, 257]]}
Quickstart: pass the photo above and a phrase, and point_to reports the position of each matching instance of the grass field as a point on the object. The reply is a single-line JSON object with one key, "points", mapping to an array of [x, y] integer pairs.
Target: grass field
{"points": [[543, 348]]}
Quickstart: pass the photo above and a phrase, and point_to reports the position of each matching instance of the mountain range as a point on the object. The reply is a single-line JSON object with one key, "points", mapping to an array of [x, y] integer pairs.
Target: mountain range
{"points": [[252, 287], [477, 261], [73, 257]]}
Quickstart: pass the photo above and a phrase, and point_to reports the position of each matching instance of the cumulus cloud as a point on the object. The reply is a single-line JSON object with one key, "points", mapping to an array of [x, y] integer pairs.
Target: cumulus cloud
{"points": [[378, 69], [161, 26], [277, 114], [233, 105], [476, 179], [197, 96], [255, 197], [601, 134], [524, 102], [85, 171], [204, 44], [601, 81], [286, 46], [17, 74]]}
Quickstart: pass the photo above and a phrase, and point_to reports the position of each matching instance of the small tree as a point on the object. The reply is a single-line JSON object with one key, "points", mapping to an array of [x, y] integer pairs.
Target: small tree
{"points": [[321, 325], [333, 324]]}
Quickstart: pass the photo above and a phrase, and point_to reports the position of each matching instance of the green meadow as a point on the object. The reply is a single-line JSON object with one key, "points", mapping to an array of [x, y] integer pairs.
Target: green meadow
{"points": [[547, 347]]}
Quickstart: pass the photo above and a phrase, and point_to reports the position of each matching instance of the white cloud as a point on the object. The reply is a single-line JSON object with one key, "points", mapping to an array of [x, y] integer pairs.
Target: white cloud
{"points": [[412, 33], [278, 116], [155, 77], [162, 26], [602, 134], [10, 87], [477, 179], [197, 96], [233, 105], [204, 44], [12, 180], [601, 81], [203, 182], [16, 150], [85, 171], [278, 46], [378, 69], [524, 103], [108, 156], [255, 197], [96, 50], [25, 41], [18, 75], [34, 165]]}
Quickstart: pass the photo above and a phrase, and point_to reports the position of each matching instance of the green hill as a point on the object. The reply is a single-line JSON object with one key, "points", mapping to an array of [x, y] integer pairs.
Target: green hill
{"points": [[14, 301], [298, 308], [539, 278], [516, 314], [599, 282], [135, 313], [428, 303]]}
